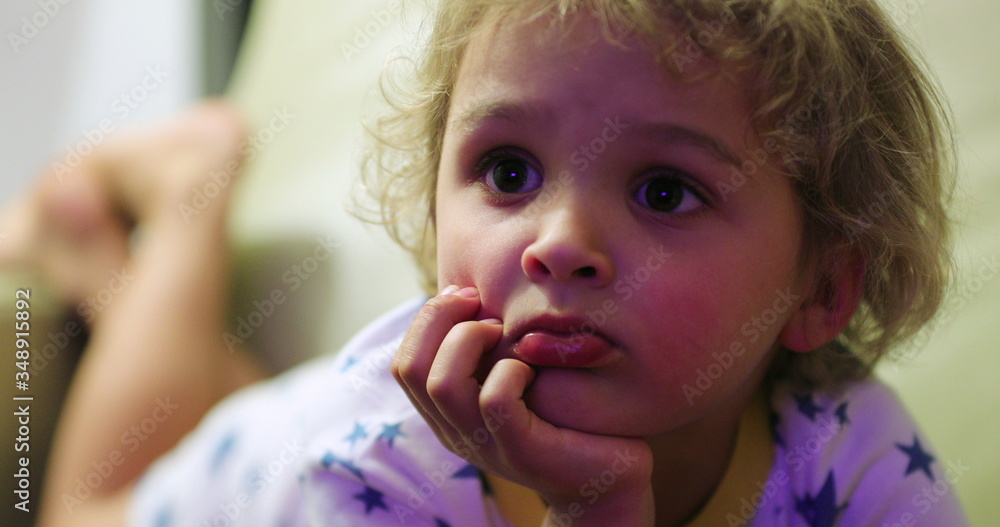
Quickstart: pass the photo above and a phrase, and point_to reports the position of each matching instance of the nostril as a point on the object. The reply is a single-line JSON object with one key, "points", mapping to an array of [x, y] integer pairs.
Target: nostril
{"points": [[586, 272]]}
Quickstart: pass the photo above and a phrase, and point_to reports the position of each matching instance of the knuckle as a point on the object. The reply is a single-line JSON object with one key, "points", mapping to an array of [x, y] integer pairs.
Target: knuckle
{"points": [[439, 391], [491, 399], [432, 310], [403, 366]]}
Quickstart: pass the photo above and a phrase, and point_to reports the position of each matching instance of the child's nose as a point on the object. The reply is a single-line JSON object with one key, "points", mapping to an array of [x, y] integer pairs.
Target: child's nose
{"points": [[569, 248]]}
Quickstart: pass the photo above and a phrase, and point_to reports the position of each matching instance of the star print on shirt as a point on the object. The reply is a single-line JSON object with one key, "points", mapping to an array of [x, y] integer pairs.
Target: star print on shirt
{"points": [[468, 471], [222, 451], [775, 420], [806, 406], [841, 413], [919, 459], [821, 510], [390, 432], [351, 361], [372, 499], [330, 460], [164, 518], [358, 434]]}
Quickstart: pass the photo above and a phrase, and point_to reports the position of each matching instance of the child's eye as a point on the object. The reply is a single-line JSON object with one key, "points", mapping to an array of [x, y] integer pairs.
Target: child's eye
{"points": [[504, 172], [666, 191]]}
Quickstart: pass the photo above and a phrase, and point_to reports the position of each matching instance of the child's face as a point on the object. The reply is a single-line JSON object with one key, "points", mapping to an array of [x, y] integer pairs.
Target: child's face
{"points": [[579, 191]]}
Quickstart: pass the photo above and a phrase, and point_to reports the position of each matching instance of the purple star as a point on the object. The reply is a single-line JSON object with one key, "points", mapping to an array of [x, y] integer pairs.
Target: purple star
{"points": [[807, 407], [330, 460], [841, 413], [372, 499], [820, 510], [919, 459]]}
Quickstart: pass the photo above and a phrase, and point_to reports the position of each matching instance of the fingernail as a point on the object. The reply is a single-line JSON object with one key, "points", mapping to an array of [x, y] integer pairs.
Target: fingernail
{"points": [[492, 321], [448, 290], [468, 292]]}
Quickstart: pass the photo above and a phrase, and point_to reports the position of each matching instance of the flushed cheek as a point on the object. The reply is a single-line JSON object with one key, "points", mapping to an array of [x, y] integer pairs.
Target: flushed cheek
{"points": [[469, 256]]}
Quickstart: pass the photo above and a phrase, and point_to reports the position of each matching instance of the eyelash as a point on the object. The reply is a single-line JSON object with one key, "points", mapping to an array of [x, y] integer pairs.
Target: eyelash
{"points": [[481, 170], [490, 160], [493, 157], [686, 181]]}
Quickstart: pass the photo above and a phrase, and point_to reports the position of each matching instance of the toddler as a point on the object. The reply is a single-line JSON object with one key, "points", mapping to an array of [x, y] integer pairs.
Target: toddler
{"points": [[660, 284]]}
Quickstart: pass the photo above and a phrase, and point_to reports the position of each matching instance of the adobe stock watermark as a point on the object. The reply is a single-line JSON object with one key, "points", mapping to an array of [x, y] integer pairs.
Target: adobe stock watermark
{"points": [[759, 158], [873, 210], [548, 194], [692, 49], [364, 374], [293, 278], [99, 301], [202, 196], [224, 7], [797, 458], [258, 482], [130, 440], [592, 490], [625, 287], [581, 158], [589, 152], [902, 12], [433, 481], [971, 286], [931, 495], [57, 343], [32, 25], [122, 107], [753, 331], [371, 29]]}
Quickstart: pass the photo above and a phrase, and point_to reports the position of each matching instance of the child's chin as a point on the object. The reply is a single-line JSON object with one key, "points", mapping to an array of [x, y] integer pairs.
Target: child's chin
{"points": [[564, 401]]}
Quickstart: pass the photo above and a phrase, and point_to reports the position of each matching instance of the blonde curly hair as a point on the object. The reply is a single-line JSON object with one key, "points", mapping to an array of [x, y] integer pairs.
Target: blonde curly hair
{"points": [[837, 93]]}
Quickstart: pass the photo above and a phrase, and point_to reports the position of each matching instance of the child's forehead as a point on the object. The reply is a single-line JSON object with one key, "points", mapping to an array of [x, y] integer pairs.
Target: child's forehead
{"points": [[513, 53], [573, 37]]}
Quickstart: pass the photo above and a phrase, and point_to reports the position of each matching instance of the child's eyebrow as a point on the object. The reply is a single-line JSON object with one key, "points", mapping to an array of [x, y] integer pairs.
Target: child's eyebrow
{"points": [[658, 131], [676, 134], [515, 113]]}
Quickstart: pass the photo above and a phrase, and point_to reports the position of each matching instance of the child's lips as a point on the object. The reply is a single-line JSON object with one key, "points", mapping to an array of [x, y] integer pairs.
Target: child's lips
{"points": [[565, 350]]}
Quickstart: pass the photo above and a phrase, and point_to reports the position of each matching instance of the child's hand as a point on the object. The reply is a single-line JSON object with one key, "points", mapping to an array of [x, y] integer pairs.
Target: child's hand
{"points": [[492, 428]]}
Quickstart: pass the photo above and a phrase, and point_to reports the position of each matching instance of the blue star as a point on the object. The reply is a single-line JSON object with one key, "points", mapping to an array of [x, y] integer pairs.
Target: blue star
{"points": [[438, 522], [351, 361], [468, 471], [391, 432], [807, 407], [820, 510], [164, 518], [919, 459], [775, 419], [222, 451], [372, 499], [841, 413], [329, 460], [358, 434]]}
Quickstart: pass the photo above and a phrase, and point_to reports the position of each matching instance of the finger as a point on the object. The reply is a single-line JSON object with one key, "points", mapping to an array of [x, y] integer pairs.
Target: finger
{"points": [[513, 425], [413, 360], [452, 383]]}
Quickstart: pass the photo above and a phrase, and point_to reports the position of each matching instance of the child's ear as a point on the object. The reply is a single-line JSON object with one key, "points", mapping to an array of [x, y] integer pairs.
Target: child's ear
{"points": [[836, 293]]}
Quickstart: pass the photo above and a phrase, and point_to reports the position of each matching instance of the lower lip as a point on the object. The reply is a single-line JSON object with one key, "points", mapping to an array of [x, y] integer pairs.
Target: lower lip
{"points": [[556, 350]]}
